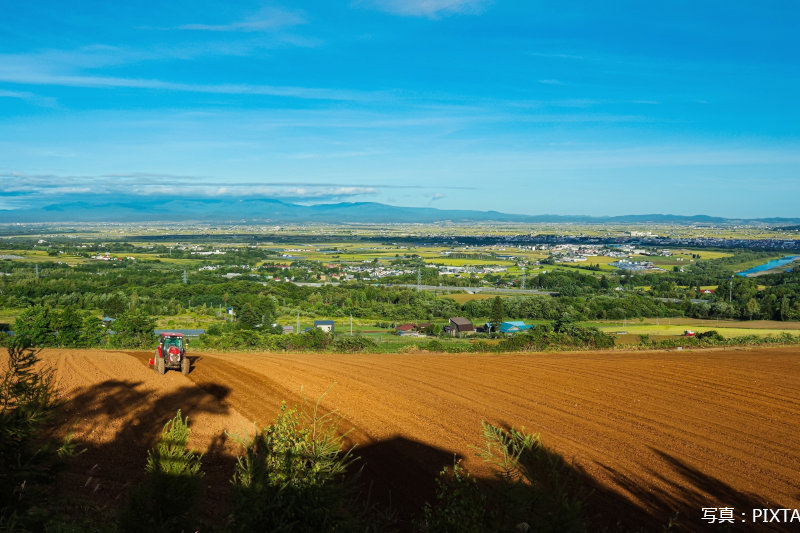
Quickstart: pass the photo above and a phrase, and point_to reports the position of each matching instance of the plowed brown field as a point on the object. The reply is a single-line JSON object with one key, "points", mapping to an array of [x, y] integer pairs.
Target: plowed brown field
{"points": [[655, 432]]}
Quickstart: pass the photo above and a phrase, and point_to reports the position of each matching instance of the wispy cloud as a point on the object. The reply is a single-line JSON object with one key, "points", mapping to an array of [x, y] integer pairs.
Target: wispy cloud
{"points": [[426, 8], [66, 69], [555, 55], [268, 18], [28, 189], [32, 98], [332, 155], [53, 187]]}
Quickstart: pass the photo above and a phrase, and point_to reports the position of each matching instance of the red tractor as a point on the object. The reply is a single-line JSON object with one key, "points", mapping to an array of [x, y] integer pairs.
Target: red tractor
{"points": [[171, 353]]}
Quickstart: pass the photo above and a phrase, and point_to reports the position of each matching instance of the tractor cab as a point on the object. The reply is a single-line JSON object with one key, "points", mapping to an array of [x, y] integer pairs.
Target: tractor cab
{"points": [[171, 353], [172, 345]]}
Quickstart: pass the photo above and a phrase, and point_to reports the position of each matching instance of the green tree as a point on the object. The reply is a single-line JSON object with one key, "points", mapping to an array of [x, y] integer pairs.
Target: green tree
{"points": [[752, 307], [253, 310], [496, 314], [134, 329], [33, 327], [784, 311], [27, 461], [116, 304], [93, 333], [68, 325]]}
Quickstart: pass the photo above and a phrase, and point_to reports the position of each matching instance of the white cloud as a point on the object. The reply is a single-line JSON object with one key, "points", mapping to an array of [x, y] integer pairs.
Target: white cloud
{"points": [[426, 8]]}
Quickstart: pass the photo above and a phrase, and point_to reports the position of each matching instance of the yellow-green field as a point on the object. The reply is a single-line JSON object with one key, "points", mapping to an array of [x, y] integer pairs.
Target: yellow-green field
{"points": [[603, 262], [675, 329], [680, 258], [711, 323], [41, 256]]}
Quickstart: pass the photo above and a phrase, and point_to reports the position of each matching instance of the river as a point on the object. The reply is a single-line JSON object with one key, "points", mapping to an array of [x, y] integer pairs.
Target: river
{"points": [[775, 263]]}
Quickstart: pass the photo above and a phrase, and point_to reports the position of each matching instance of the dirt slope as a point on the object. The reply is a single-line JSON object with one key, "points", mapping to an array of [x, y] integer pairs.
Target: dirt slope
{"points": [[661, 432]]}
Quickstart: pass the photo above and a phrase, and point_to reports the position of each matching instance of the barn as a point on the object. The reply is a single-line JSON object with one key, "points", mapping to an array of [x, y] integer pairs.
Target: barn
{"points": [[461, 326]]}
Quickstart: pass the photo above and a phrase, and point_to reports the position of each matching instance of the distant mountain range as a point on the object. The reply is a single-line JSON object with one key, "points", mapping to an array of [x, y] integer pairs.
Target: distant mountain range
{"points": [[255, 210]]}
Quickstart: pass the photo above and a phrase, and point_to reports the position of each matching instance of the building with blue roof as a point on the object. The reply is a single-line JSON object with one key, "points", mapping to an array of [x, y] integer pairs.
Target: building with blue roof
{"points": [[324, 325], [514, 326]]}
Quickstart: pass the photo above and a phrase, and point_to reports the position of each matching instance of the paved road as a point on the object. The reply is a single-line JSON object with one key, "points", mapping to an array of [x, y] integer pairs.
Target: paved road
{"points": [[678, 300], [445, 288]]}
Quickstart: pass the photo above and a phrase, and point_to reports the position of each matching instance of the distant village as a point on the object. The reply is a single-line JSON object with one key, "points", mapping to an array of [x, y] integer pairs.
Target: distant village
{"points": [[372, 270]]}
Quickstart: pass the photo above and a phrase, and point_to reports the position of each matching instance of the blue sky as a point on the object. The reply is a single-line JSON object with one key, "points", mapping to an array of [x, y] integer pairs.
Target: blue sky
{"points": [[600, 108]]}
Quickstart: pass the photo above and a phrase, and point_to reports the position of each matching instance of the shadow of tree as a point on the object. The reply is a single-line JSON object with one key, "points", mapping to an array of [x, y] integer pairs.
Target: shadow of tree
{"points": [[402, 472], [127, 419], [396, 471], [685, 490]]}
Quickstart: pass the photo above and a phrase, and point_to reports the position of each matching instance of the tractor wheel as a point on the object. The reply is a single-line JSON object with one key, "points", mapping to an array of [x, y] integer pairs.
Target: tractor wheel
{"points": [[160, 367], [186, 365]]}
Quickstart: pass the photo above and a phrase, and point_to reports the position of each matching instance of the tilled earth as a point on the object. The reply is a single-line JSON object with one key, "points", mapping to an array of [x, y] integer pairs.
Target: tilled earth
{"points": [[654, 433]]}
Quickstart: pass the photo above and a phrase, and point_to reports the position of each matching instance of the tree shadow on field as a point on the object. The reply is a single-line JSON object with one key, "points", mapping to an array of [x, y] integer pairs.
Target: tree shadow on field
{"points": [[401, 472], [687, 492], [116, 422]]}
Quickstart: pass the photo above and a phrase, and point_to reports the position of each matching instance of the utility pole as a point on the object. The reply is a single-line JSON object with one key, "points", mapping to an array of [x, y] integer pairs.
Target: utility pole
{"points": [[298, 323], [730, 291], [523, 276], [351, 325], [184, 277], [419, 278], [36, 270]]}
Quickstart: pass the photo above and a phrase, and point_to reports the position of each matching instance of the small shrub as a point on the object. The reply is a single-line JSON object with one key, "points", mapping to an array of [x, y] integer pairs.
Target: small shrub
{"points": [[354, 344], [166, 501], [460, 505], [292, 478], [711, 337], [433, 346], [538, 487]]}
